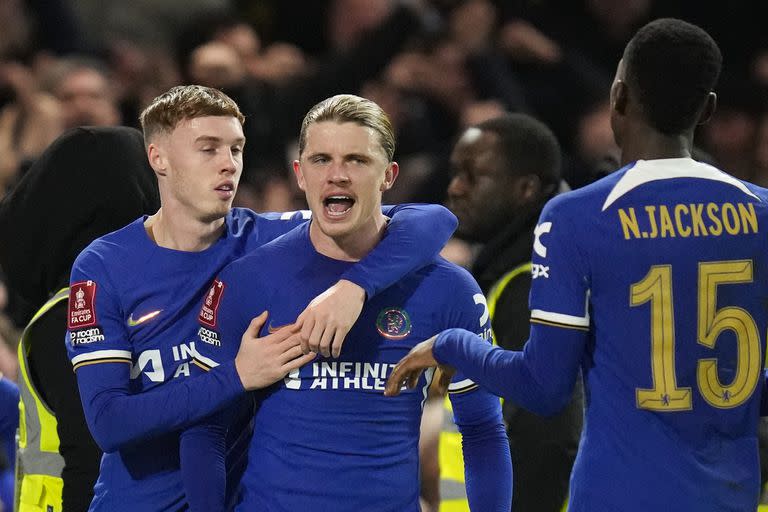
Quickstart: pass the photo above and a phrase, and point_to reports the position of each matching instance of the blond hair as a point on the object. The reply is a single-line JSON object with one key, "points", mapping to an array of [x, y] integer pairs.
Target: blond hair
{"points": [[185, 102], [348, 108]]}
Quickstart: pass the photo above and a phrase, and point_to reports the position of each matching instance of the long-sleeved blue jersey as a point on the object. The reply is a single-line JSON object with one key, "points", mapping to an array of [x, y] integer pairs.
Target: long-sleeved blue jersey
{"points": [[654, 282], [132, 331], [326, 438]]}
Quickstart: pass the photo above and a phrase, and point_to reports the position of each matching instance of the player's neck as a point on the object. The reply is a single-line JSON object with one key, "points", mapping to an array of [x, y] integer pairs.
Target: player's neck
{"points": [[182, 233], [647, 144], [351, 247]]}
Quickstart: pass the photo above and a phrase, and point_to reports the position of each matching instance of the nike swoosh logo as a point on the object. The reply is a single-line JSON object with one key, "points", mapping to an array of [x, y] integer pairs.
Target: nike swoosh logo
{"points": [[142, 319], [271, 329]]}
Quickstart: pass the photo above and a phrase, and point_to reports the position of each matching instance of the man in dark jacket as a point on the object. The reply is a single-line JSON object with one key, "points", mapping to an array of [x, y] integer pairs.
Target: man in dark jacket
{"points": [[504, 170], [89, 182]]}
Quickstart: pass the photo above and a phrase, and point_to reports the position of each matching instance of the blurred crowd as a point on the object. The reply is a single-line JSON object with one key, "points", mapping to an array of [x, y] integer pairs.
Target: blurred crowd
{"points": [[435, 66]]}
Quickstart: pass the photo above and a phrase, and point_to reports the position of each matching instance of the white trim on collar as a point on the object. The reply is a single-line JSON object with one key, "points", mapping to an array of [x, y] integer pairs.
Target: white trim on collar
{"points": [[645, 171]]}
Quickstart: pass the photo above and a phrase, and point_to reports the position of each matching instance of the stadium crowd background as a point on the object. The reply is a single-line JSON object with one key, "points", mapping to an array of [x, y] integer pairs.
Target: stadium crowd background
{"points": [[435, 66]]}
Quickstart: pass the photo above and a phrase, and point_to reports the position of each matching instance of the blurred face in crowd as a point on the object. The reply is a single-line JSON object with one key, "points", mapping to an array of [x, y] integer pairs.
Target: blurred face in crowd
{"points": [[343, 170], [199, 164], [482, 193], [216, 64], [86, 99]]}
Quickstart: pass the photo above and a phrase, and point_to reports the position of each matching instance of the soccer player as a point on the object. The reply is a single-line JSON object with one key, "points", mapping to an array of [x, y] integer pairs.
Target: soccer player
{"points": [[135, 293], [654, 282], [325, 438]]}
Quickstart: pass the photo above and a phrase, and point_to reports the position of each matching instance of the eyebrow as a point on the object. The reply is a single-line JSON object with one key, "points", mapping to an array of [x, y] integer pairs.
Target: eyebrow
{"points": [[346, 156], [213, 138]]}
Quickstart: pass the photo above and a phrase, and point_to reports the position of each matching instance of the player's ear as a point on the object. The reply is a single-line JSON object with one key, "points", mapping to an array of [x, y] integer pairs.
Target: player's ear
{"points": [[390, 175], [157, 159], [619, 97], [709, 108], [299, 174]]}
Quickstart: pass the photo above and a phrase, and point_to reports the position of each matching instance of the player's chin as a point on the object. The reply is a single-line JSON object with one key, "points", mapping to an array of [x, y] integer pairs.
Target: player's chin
{"points": [[336, 228], [217, 212]]}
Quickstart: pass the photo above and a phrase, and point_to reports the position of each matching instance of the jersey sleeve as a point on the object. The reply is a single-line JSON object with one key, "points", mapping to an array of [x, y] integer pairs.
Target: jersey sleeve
{"points": [[477, 412], [225, 313], [415, 235], [468, 310], [96, 330], [561, 279]]}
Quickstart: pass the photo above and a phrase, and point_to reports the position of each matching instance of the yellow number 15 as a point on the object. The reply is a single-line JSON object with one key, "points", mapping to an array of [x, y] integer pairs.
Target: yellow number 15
{"points": [[665, 395]]}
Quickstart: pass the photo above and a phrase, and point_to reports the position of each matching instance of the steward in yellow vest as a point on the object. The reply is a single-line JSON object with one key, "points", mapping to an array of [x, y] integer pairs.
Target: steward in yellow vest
{"points": [[39, 464]]}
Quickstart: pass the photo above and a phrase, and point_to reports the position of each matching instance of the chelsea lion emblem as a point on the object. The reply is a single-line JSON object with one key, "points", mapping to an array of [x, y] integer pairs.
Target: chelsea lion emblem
{"points": [[393, 323]]}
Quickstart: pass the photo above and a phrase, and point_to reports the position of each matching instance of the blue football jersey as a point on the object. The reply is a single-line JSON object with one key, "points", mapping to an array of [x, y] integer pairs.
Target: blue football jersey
{"points": [[663, 263], [325, 438], [135, 302]]}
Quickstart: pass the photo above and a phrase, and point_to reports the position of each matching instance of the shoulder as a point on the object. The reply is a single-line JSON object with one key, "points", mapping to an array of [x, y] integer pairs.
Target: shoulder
{"points": [[589, 199], [114, 247], [760, 193], [448, 277]]}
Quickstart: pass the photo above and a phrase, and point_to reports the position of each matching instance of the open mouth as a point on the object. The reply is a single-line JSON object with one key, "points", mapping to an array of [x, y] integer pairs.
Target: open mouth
{"points": [[336, 206], [225, 190]]}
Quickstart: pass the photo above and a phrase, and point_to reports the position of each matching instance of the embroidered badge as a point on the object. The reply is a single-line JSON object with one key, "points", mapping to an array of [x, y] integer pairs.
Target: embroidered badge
{"points": [[393, 323], [82, 312], [210, 307]]}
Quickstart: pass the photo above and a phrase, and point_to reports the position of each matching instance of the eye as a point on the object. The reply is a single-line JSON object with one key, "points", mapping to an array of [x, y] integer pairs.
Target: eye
{"points": [[319, 159], [237, 150], [208, 150]]}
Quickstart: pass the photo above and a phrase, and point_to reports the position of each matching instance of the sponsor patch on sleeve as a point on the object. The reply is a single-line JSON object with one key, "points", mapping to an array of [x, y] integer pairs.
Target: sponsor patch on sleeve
{"points": [[86, 336], [82, 310], [211, 303]]}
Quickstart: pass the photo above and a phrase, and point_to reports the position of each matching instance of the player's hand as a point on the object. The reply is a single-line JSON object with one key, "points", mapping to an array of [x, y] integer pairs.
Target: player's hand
{"points": [[326, 321], [410, 368], [261, 362]]}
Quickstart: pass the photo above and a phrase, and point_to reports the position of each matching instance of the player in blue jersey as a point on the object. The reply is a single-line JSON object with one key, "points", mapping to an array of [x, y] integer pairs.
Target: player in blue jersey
{"points": [[326, 438], [135, 294], [653, 281]]}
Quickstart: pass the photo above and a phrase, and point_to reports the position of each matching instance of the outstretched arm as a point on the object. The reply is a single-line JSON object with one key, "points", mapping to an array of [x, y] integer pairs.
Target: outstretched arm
{"points": [[539, 378], [117, 418]]}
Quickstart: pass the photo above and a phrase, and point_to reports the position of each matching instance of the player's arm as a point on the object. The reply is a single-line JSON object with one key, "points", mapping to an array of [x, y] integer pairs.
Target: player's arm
{"points": [[118, 418], [204, 446], [477, 412], [541, 376], [415, 235], [487, 461]]}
